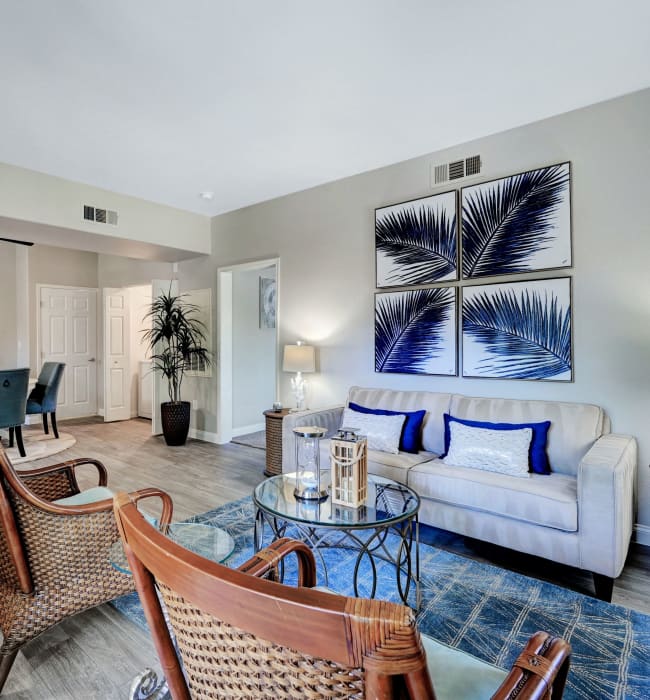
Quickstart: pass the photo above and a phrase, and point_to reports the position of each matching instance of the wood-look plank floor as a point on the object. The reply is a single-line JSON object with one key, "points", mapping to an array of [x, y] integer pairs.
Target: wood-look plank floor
{"points": [[96, 654]]}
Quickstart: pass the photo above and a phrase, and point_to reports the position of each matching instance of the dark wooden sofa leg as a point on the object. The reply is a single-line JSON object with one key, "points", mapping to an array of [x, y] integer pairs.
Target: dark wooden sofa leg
{"points": [[6, 662], [604, 586], [11, 437], [55, 430], [46, 429], [19, 440]]}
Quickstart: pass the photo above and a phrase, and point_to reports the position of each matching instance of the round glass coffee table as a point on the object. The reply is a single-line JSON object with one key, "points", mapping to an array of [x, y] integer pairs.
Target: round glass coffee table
{"points": [[210, 542], [391, 509]]}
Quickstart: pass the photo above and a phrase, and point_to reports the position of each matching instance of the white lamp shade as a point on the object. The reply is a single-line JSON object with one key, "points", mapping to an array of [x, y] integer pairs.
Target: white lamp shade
{"points": [[299, 358]]}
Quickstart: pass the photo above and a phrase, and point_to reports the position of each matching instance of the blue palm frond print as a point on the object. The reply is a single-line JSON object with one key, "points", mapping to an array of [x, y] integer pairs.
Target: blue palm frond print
{"points": [[421, 240], [410, 328], [526, 336], [505, 225]]}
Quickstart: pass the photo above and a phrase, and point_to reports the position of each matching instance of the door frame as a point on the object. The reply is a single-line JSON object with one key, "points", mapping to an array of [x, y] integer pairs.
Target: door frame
{"points": [[98, 347], [224, 340]]}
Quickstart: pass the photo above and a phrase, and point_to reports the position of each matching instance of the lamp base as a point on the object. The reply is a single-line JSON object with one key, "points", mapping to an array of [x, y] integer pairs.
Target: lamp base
{"points": [[310, 494]]}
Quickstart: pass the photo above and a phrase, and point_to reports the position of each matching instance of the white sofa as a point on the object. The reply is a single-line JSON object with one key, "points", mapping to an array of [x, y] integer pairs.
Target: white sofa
{"points": [[581, 514]]}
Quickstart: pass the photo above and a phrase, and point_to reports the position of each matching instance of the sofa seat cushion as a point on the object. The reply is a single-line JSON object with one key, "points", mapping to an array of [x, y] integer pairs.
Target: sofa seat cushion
{"points": [[548, 500], [390, 466]]}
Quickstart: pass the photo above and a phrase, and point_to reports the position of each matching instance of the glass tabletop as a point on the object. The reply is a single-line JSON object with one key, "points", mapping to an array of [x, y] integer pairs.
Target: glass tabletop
{"points": [[210, 542], [387, 502]]}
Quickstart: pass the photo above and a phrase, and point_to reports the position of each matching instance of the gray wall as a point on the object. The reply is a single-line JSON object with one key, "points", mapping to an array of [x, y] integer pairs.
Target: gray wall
{"points": [[324, 237], [254, 353], [8, 347]]}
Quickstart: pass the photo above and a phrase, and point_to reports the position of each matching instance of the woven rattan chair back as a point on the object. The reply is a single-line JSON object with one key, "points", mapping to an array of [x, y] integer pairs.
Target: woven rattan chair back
{"points": [[245, 637], [241, 636], [54, 560]]}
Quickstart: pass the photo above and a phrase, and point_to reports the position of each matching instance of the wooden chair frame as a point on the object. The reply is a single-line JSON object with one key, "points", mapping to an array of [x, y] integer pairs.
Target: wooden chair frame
{"points": [[54, 559], [372, 640]]}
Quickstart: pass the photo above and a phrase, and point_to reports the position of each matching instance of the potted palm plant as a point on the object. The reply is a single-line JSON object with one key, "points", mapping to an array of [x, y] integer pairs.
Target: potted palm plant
{"points": [[175, 343]]}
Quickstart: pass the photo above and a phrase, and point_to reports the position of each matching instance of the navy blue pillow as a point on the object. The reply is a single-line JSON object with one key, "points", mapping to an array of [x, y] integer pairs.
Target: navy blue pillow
{"points": [[410, 438], [537, 457]]}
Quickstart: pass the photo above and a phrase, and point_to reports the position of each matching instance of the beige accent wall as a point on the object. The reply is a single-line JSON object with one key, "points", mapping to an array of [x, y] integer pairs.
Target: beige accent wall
{"points": [[36, 198], [325, 240]]}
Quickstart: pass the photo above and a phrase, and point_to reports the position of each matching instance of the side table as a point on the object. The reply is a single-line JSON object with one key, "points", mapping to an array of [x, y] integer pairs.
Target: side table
{"points": [[274, 441]]}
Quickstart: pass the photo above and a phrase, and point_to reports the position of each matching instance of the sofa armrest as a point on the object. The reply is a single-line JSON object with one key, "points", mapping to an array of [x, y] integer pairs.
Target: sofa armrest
{"points": [[606, 495], [328, 418]]}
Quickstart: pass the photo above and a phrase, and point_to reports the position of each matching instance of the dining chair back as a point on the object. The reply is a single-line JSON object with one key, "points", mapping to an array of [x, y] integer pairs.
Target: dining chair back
{"points": [[43, 397], [13, 397]]}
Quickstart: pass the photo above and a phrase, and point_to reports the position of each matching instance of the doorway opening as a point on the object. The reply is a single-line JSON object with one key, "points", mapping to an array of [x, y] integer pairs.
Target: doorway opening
{"points": [[247, 346]]}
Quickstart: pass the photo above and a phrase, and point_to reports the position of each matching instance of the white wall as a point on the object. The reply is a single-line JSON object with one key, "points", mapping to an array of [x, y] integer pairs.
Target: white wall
{"points": [[254, 352], [8, 347], [139, 304], [325, 239]]}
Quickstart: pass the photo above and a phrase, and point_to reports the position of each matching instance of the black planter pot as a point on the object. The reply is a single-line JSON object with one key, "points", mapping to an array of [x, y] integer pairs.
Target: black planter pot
{"points": [[175, 421]]}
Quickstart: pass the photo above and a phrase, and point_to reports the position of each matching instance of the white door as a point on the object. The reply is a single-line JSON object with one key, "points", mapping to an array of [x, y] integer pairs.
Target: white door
{"points": [[68, 333], [117, 361]]}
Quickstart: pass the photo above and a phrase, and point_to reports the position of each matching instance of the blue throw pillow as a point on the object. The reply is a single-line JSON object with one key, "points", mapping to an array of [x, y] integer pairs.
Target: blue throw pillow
{"points": [[538, 459], [410, 438]]}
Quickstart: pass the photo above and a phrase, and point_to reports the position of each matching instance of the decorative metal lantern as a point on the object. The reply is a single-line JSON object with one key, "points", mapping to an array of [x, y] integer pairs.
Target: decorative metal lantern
{"points": [[349, 462], [308, 483]]}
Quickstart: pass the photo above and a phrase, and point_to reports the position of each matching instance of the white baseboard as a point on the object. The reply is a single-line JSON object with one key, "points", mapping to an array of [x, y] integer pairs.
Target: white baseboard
{"points": [[205, 436], [100, 412], [244, 430], [642, 534]]}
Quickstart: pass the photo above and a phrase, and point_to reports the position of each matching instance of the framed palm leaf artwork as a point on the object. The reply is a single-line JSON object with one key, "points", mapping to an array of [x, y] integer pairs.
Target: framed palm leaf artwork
{"points": [[415, 331], [416, 241], [520, 223], [518, 330]]}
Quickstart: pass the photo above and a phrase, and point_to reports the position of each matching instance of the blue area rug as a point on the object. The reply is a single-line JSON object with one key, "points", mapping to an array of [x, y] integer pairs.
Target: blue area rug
{"points": [[486, 611]]}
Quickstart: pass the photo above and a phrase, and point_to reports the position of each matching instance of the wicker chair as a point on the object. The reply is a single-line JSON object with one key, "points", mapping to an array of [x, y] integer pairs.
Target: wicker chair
{"points": [[54, 558], [242, 636]]}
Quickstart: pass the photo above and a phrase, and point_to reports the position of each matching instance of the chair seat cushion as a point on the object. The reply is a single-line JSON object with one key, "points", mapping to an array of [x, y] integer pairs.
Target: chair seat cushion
{"points": [[459, 676], [92, 495]]}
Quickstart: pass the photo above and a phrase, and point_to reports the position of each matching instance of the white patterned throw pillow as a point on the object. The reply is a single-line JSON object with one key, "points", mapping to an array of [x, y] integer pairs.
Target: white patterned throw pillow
{"points": [[382, 432], [503, 451]]}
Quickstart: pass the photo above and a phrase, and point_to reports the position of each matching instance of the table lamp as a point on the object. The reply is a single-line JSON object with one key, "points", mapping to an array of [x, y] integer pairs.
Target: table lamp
{"points": [[299, 358]]}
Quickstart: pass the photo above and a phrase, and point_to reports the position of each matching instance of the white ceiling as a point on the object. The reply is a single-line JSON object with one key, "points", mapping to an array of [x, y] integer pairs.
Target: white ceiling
{"points": [[252, 99]]}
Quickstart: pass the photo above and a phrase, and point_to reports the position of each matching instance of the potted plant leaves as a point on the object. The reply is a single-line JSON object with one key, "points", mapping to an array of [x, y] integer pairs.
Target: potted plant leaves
{"points": [[175, 343]]}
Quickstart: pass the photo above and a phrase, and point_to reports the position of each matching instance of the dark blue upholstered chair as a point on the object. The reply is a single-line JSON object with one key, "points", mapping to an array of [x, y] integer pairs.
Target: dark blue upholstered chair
{"points": [[42, 398], [13, 396]]}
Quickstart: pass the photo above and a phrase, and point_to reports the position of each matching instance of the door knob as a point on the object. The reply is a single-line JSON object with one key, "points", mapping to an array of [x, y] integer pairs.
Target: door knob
{"points": [[92, 359]]}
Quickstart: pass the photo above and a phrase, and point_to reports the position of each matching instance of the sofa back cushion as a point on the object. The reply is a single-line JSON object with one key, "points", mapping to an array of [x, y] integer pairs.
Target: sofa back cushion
{"points": [[574, 426], [435, 404]]}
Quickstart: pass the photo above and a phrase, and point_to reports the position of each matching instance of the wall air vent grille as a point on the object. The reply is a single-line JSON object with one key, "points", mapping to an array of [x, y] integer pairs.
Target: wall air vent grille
{"points": [[473, 165], [455, 170], [99, 215], [440, 173]]}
